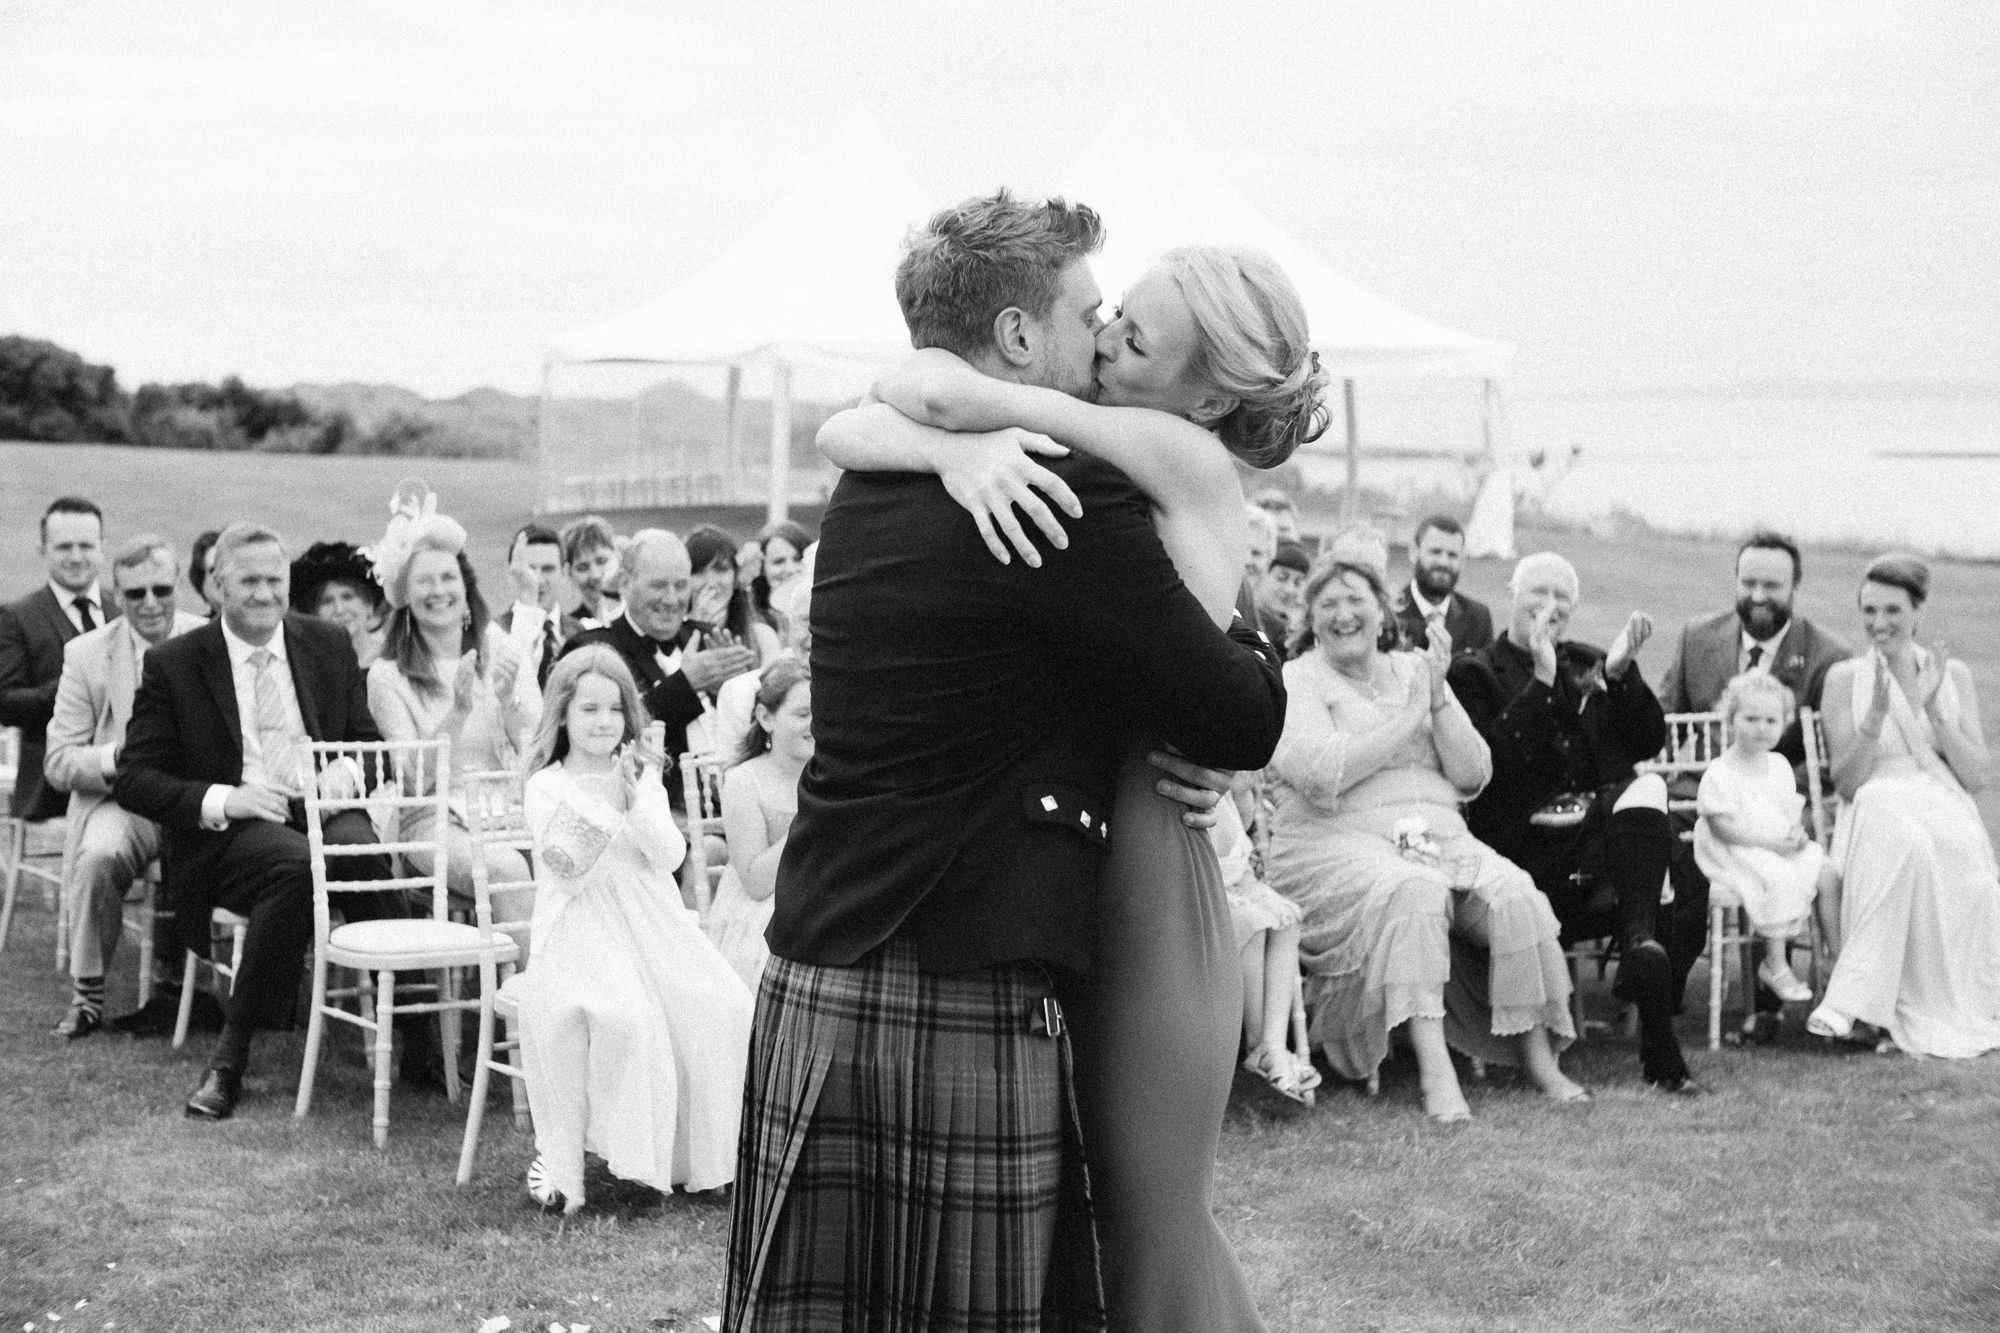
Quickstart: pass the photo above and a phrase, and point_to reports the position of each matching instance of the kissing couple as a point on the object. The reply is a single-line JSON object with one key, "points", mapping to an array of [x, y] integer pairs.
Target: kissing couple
{"points": [[997, 1034]]}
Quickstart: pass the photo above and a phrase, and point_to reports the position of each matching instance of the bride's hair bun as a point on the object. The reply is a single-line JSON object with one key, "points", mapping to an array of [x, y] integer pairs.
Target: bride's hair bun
{"points": [[1251, 343]]}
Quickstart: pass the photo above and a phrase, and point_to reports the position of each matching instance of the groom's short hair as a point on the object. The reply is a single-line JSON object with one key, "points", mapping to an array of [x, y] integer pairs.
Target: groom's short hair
{"points": [[979, 257]]}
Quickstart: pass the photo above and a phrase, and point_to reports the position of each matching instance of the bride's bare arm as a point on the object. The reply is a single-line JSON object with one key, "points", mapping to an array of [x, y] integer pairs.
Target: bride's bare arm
{"points": [[988, 473], [1182, 469], [1178, 465]]}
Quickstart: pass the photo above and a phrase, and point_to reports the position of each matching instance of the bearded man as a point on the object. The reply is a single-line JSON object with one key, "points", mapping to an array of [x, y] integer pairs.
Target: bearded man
{"points": [[1437, 555]]}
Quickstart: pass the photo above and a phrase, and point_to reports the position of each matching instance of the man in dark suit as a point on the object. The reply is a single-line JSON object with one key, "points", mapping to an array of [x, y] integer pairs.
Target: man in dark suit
{"points": [[1437, 555], [536, 622], [1567, 724], [1761, 634], [678, 662], [215, 754], [936, 891], [32, 634]]}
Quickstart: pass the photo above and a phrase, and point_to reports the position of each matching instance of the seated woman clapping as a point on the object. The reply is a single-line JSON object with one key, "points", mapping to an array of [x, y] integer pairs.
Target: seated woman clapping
{"points": [[1409, 921], [634, 1030], [1920, 900], [447, 671], [760, 797], [1750, 838]]}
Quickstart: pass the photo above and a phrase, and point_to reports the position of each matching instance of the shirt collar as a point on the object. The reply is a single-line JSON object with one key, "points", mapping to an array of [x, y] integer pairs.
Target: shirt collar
{"points": [[1770, 645], [1427, 609], [240, 650], [659, 645], [67, 599]]}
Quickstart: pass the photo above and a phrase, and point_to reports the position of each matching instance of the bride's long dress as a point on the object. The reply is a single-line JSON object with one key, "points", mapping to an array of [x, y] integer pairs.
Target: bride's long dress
{"points": [[1920, 903], [1156, 1051]]}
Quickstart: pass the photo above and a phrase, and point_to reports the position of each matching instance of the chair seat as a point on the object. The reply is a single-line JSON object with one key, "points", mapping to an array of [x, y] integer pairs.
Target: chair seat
{"points": [[402, 945], [222, 916]]}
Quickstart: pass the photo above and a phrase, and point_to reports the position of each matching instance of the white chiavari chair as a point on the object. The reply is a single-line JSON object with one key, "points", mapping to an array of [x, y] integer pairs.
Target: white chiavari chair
{"points": [[497, 818], [701, 783], [376, 951]]}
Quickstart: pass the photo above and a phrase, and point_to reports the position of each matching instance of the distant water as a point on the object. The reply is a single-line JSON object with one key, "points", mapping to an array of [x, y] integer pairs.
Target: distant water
{"points": [[1822, 468]]}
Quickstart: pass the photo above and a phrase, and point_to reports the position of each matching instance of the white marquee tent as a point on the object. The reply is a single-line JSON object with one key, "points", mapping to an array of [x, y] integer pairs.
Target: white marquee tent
{"points": [[804, 302], [1157, 187]]}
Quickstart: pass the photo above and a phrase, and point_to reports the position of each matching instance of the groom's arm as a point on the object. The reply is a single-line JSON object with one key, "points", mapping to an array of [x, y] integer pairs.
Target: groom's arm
{"points": [[1118, 605]]}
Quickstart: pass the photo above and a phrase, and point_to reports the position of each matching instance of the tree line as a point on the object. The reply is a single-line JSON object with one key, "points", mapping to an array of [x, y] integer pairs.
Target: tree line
{"points": [[52, 395]]}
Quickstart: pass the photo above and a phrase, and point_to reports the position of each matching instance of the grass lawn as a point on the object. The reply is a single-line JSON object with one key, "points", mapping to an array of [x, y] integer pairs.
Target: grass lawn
{"points": [[1813, 1191]]}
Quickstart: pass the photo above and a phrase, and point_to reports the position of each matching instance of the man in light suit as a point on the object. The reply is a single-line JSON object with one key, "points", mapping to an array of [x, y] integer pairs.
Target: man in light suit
{"points": [[32, 634], [107, 846], [1437, 554], [1761, 634]]}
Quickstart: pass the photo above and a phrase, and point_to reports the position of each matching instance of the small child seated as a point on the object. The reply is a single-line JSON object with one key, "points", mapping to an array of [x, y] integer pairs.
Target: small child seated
{"points": [[634, 1030], [760, 798], [1267, 933], [1750, 838]]}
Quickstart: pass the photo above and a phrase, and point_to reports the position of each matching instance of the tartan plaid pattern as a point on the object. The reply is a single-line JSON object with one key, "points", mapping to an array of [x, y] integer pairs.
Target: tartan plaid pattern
{"points": [[910, 1158]]}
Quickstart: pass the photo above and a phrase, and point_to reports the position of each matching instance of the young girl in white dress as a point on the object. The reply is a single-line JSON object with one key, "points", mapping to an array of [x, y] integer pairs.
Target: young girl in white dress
{"points": [[760, 796], [1750, 836], [1267, 940], [634, 1031]]}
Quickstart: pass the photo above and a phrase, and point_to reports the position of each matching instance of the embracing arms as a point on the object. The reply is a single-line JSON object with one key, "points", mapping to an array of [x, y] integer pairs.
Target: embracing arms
{"points": [[1182, 469]]}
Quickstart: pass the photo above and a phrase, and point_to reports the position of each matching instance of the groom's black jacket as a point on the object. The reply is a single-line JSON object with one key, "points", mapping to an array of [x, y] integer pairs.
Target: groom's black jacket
{"points": [[967, 719]]}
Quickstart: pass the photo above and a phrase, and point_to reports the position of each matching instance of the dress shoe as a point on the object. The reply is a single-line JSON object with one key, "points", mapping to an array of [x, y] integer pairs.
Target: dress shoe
{"points": [[1681, 1085], [216, 1098], [80, 1022], [1644, 974]]}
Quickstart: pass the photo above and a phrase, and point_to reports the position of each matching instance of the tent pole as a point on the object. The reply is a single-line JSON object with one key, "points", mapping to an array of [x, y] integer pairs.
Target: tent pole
{"points": [[781, 441], [732, 403], [1350, 498], [542, 459]]}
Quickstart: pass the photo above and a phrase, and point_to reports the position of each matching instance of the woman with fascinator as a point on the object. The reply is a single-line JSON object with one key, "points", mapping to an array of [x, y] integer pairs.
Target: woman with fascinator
{"points": [[334, 581], [446, 671]]}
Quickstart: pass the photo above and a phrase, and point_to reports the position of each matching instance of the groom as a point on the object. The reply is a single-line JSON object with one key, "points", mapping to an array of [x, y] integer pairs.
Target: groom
{"points": [[909, 1156]]}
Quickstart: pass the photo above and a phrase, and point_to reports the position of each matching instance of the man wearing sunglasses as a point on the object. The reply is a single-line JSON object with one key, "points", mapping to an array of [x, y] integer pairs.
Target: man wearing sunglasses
{"points": [[108, 845]]}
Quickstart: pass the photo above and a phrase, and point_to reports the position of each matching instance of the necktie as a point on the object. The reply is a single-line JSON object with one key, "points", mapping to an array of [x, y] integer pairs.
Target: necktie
{"points": [[549, 649], [83, 610], [1756, 655], [274, 731]]}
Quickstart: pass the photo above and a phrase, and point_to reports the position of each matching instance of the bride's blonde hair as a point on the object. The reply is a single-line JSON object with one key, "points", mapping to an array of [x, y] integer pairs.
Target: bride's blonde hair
{"points": [[1251, 343]]}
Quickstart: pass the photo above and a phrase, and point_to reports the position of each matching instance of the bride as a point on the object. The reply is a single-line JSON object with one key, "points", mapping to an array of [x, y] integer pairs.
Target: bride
{"points": [[1207, 361], [1920, 903]]}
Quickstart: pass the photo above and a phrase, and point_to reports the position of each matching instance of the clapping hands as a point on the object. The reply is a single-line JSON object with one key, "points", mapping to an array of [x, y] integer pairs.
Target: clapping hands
{"points": [[1437, 657], [1638, 629]]}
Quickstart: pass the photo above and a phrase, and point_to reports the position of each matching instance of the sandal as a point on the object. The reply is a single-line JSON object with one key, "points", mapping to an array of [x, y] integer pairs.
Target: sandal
{"points": [[543, 1190], [1276, 1067]]}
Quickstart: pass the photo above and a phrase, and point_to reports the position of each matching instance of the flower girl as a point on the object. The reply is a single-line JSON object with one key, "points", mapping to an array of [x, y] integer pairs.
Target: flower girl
{"points": [[760, 797], [634, 1031], [1749, 838]]}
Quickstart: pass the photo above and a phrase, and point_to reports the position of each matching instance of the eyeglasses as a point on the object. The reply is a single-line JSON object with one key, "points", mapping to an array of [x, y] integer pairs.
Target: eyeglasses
{"points": [[161, 592]]}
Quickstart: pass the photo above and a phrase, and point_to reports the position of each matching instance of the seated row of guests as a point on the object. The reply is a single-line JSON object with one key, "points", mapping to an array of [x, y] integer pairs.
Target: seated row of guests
{"points": [[1419, 919]]}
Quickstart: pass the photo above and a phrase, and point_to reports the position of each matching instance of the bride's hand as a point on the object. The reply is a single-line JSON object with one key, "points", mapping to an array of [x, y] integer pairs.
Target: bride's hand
{"points": [[990, 475], [925, 384]]}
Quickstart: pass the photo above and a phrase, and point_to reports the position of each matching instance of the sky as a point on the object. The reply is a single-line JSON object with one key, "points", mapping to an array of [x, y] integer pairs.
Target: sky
{"points": [[1634, 195]]}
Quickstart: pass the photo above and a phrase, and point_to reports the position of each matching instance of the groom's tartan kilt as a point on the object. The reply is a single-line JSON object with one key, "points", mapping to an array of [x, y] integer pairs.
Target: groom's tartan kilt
{"points": [[910, 1158]]}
